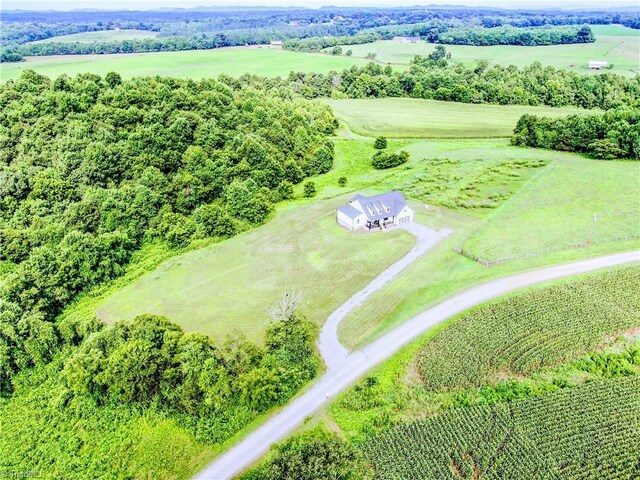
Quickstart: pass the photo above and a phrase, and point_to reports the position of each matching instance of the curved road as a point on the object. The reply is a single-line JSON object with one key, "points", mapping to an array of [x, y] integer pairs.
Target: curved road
{"points": [[342, 374]]}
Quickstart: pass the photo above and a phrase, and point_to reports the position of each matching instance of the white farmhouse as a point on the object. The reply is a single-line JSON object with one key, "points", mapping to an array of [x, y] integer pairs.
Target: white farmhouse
{"points": [[597, 64], [378, 211]]}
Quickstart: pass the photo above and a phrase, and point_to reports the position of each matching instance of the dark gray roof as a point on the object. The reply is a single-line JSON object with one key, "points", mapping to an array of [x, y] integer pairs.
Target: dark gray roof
{"points": [[375, 207], [349, 211]]}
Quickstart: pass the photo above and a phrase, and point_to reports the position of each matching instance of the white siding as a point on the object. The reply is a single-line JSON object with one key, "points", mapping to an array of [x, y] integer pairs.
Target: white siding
{"points": [[351, 224], [405, 215]]}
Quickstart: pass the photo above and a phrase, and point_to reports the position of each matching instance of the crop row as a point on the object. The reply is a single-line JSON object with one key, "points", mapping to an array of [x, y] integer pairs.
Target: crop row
{"points": [[540, 328], [587, 432]]}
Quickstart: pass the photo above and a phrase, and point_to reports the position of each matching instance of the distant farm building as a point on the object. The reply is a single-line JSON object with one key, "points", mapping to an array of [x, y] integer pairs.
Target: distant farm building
{"points": [[378, 211], [597, 65], [405, 39], [275, 43]]}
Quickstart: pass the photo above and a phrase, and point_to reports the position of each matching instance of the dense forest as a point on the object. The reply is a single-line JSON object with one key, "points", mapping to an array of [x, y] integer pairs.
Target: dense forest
{"points": [[91, 168], [438, 77], [613, 134], [214, 28]]}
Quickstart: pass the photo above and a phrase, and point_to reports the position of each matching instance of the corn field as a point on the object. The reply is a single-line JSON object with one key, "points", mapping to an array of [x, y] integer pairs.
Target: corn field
{"points": [[540, 328], [587, 432]]}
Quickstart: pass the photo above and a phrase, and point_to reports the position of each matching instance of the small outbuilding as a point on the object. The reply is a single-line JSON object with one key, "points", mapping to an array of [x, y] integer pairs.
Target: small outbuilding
{"points": [[378, 211], [275, 43], [405, 39], [597, 64]]}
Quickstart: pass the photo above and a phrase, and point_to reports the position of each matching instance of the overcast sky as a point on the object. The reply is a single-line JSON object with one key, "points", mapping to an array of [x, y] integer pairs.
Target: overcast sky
{"points": [[152, 4]]}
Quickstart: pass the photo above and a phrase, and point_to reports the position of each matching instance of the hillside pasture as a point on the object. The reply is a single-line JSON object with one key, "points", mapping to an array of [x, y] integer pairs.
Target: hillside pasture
{"points": [[413, 117], [101, 36], [618, 45], [233, 61], [229, 287]]}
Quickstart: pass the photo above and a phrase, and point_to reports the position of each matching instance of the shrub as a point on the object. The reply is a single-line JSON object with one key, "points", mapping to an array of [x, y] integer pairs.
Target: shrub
{"points": [[316, 455], [310, 189], [337, 50], [380, 143], [284, 191], [383, 160], [342, 181]]}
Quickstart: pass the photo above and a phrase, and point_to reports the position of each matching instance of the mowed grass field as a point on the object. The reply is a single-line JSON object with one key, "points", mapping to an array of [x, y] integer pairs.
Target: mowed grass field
{"points": [[413, 117], [618, 45], [233, 61], [230, 286], [101, 36]]}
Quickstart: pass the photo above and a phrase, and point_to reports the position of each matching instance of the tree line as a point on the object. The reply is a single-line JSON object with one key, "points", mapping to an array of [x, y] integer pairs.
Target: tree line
{"points": [[507, 35], [613, 134], [437, 77], [452, 33], [91, 168], [212, 389]]}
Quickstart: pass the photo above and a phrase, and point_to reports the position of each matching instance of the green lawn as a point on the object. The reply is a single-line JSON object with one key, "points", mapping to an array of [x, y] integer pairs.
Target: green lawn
{"points": [[618, 45], [412, 117], [234, 61], [101, 36], [228, 287]]}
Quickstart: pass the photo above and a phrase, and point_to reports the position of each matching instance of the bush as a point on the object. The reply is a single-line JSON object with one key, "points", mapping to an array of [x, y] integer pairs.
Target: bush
{"points": [[342, 181], [284, 191], [383, 160], [337, 50], [380, 143], [348, 53], [310, 189], [313, 455]]}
